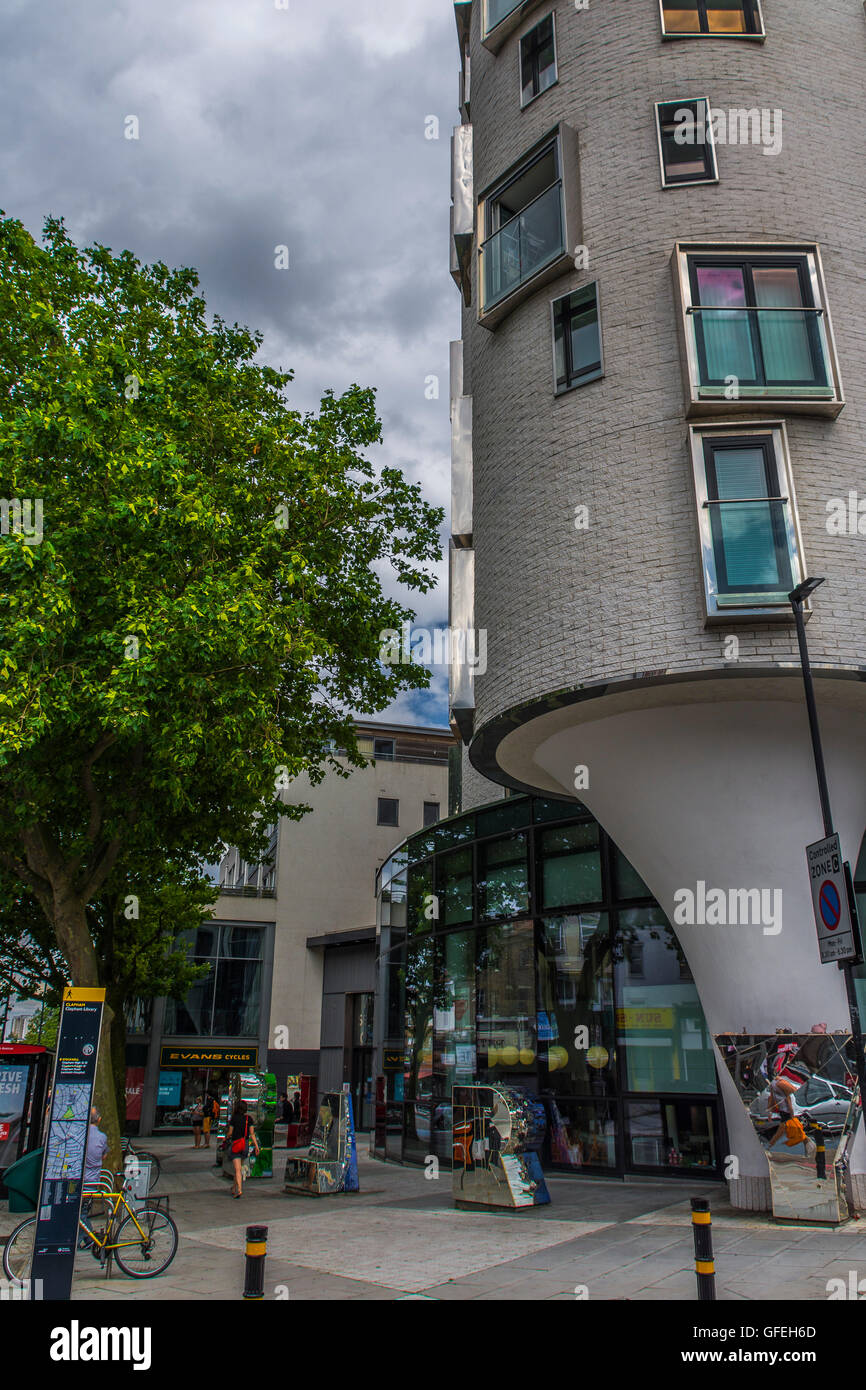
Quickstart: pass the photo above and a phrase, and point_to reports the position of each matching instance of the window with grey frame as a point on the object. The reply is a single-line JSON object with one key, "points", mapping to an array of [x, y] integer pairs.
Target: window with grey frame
{"points": [[387, 811], [538, 60], [577, 354], [719, 18], [687, 151], [747, 519], [523, 224], [226, 1002]]}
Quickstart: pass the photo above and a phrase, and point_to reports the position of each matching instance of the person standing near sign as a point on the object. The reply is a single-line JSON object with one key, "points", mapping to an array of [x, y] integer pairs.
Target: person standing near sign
{"points": [[197, 1120], [241, 1133]]}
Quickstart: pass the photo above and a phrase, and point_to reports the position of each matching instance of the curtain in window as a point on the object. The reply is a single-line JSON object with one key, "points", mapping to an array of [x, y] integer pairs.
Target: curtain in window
{"points": [[726, 334], [745, 529], [784, 336]]}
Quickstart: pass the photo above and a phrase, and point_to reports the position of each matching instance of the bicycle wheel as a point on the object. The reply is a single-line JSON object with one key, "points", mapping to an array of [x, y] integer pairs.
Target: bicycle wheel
{"points": [[143, 1257], [18, 1251]]}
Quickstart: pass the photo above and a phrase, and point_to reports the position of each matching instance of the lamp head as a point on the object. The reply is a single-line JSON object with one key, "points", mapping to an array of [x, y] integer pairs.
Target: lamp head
{"points": [[804, 590]]}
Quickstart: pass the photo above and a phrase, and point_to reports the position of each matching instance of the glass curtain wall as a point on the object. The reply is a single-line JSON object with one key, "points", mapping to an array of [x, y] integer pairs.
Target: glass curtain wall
{"points": [[518, 945]]}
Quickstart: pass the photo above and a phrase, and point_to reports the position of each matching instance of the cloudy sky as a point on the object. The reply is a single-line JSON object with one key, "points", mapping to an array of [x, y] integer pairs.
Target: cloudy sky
{"points": [[263, 123]]}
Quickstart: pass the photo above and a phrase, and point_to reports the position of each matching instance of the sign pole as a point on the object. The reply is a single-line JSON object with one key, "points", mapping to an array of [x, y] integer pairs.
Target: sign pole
{"points": [[59, 1202], [797, 598]]}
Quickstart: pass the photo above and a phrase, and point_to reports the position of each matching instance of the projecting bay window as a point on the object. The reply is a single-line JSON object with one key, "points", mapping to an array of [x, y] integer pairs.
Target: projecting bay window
{"points": [[721, 18], [526, 223], [756, 328], [499, 18], [576, 339], [747, 517]]}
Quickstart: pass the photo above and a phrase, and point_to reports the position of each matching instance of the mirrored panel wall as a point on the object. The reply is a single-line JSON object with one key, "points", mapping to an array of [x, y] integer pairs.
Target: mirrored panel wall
{"points": [[800, 1093]]}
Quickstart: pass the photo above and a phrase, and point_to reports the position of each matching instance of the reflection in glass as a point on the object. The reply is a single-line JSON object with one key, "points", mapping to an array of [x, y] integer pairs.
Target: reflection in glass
{"points": [[570, 865], [454, 1014], [671, 1134], [575, 991], [506, 1022], [659, 1018], [455, 887], [503, 877], [419, 1018], [582, 1134], [419, 908]]}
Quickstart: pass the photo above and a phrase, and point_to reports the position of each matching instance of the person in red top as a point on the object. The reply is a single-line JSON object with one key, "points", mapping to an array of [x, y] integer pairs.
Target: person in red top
{"points": [[241, 1134]]}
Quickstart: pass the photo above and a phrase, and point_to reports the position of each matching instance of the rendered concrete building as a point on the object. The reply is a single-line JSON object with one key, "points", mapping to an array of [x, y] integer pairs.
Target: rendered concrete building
{"points": [[291, 942], [659, 240]]}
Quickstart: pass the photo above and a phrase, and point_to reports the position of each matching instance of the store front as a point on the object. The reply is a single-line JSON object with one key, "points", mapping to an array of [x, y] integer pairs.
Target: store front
{"points": [[177, 1050], [517, 944]]}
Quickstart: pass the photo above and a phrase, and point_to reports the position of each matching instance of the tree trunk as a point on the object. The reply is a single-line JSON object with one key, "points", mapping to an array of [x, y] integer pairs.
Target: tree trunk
{"points": [[74, 939], [118, 1054]]}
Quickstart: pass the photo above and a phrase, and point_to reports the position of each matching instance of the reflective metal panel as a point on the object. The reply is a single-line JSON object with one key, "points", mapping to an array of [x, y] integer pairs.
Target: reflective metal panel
{"points": [[463, 209], [800, 1094], [462, 620], [497, 1131], [331, 1165], [461, 469]]}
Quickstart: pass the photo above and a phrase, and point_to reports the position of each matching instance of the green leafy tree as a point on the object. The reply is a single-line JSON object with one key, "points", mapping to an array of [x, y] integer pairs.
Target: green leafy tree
{"points": [[191, 575], [42, 1027]]}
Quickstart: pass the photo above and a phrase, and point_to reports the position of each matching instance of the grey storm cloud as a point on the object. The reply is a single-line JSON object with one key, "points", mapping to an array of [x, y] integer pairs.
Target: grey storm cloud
{"points": [[263, 124]]}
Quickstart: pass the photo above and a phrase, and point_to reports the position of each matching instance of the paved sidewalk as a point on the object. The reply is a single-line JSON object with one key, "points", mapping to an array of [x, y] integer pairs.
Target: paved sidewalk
{"points": [[401, 1236]]}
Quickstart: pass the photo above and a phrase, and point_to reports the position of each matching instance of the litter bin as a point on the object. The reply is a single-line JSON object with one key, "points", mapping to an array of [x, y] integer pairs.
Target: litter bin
{"points": [[22, 1181]]}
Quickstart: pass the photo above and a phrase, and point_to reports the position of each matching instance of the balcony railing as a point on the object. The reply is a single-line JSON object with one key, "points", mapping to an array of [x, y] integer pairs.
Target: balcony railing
{"points": [[525, 244], [751, 352], [248, 892]]}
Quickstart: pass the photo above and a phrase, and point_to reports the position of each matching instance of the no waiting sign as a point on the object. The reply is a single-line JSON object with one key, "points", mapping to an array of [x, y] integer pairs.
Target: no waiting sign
{"points": [[836, 936]]}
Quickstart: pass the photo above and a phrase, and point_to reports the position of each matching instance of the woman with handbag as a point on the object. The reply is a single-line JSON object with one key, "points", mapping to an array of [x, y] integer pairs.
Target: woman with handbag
{"points": [[241, 1134]]}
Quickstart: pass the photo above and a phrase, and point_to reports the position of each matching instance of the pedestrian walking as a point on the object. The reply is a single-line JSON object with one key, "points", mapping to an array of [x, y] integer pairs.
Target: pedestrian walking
{"points": [[241, 1134], [197, 1121], [209, 1108]]}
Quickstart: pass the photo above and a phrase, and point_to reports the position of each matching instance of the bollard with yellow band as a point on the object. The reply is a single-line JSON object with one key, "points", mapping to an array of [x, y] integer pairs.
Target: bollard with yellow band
{"points": [[705, 1268], [257, 1249]]}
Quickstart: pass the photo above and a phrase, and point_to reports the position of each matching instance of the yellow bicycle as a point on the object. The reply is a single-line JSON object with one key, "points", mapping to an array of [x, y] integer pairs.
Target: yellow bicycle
{"points": [[144, 1241]]}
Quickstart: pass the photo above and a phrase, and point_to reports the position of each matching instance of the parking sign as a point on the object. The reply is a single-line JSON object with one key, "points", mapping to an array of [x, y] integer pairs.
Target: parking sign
{"points": [[837, 939]]}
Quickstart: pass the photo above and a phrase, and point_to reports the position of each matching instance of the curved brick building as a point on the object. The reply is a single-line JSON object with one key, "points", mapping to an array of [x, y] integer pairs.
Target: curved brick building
{"points": [[659, 419]]}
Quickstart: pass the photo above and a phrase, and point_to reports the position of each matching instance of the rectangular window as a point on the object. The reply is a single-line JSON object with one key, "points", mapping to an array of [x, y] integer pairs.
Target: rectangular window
{"points": [[747, 519], [577, 355], [431, 812], [523, 225], [725, 18], [687, 150], [503, 881], [756, 328], [537, 61], [388, 810], [570, 865], [384, 748]]}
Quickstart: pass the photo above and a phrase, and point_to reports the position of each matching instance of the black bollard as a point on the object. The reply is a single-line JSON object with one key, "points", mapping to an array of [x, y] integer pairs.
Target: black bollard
{"points": [[705, 1268], [820, 1152], [257, 1249]]}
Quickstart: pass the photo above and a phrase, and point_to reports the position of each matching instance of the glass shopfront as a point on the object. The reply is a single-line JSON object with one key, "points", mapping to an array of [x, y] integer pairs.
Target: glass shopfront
{"points": [[518, 945]]}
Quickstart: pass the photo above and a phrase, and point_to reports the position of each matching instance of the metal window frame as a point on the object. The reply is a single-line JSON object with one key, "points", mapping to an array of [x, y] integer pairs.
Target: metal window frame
{"points": [[387, 823], [709, 143], [749, 610], [759, 36], [551, 15], [709, 402], [494, 36], [594, 376]]}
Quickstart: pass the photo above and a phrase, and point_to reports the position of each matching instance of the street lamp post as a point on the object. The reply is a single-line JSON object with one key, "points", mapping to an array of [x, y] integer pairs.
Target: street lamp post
{"points": [[797, 598]]}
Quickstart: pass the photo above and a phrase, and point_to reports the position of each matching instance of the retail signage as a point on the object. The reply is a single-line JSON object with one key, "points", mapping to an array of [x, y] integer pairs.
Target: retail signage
{"points": [[644, 1018], [170, 1087], [838, 938], [179, 1055], [394, 1059], [56, 1234], [13, 1101]]}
